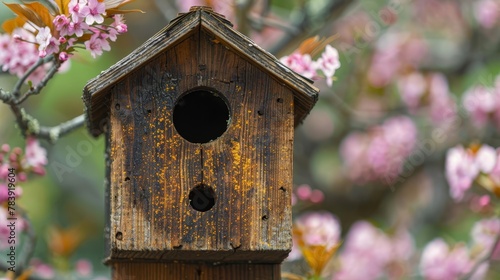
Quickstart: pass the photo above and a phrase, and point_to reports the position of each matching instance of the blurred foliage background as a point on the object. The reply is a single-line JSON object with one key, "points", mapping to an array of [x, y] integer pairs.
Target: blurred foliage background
{"points": [[72, 197]]}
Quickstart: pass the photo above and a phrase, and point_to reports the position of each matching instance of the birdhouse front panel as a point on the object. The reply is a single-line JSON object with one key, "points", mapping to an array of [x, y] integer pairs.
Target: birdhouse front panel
{"points": [[200, 150]]}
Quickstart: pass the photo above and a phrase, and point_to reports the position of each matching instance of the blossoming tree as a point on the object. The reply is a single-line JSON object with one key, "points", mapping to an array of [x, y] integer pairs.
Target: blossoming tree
{"points": [[397, 167]]}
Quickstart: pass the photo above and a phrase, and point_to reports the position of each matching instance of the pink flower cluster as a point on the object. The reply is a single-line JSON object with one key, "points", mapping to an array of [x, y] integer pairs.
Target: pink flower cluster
{"points": [[315, 228], [483, 104], [487, 12], [395, 53], [86, 17], [463, 166], [17, 56], [305, 193], [34, 160], [83, 27], [432, 91], [303, 64], [440, 261], [83, 270], [369, 253], [379, 153], [484, 235]]}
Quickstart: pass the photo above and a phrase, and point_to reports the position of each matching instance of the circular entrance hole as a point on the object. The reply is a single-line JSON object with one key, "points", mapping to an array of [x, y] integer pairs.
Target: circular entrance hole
{"points": [[202, 198], [201, 116]]}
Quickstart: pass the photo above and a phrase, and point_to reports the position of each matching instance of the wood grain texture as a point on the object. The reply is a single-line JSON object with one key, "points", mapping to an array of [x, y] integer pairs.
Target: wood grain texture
{"points": [[185, 271], [153, 169]]}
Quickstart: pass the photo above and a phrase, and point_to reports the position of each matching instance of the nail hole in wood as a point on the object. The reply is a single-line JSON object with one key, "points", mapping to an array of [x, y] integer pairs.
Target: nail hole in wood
{"points": [[117, 106], [282, 189], [279, 100], [127, 179], [119, 235], [265, 218]]}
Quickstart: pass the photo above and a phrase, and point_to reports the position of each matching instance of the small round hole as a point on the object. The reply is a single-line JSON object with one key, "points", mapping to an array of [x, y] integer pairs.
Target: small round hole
{"points": [[202, 198], [117, 106], [265, 218], [119, 235], [260, 112], [201, 116], [127, 179], [279, 100]]}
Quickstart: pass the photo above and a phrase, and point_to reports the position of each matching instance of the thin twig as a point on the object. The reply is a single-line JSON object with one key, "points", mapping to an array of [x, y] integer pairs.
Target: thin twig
{"points": [[41, 61], [50, 74], [242, 16], [28, 247], [486, 258], [257, 22]]}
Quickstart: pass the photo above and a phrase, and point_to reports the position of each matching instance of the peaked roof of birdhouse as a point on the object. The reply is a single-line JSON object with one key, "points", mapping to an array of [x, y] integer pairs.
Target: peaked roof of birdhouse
{"points": [[96, 91]]}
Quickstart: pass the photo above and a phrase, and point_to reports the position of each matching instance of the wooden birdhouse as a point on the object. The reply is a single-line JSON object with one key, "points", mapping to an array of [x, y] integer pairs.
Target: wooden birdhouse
{"points": [[199, 125]]}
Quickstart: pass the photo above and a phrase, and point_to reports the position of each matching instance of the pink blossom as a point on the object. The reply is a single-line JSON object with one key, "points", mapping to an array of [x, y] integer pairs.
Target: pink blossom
{"points": [[75, 7], [43, 270], [17, 56], [316, 228], [93, 12], [300, 63], [43, 40], [379, 154], [442, 105], [53, 46], [460, 171], [480, 102], [328, 63], [119, 24], [412, 87], [484, 235], [83, 268], [304, 192], [97, 44], [394, 52], [439, 262], [35, 154], [486, 158], [4, 192], [317, 196], [480, 203], [368, 252], [63, 56], [487, 12], [78, 28], [62, 24], [319, 228], [4, 230]]}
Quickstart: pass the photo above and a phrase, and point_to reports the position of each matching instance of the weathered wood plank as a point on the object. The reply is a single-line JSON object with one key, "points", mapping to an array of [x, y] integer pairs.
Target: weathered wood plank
{"points": [[184, 271]]}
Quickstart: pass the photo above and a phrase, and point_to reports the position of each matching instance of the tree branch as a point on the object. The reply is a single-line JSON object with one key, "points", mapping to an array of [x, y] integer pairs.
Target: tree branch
{"points": [[17, 87], [52, 71]]}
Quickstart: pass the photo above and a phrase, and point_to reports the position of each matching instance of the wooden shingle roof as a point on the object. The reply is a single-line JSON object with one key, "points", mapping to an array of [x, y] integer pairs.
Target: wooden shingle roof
{"points": [[96, 91]]}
